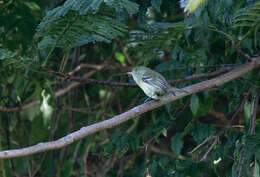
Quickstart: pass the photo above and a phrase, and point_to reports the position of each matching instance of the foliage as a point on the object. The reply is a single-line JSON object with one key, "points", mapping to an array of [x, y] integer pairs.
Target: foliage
{"points": [[110, 37]]}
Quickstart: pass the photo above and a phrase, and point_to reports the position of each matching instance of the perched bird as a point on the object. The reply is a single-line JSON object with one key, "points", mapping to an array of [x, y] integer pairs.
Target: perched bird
{"points": [[153, 83]]}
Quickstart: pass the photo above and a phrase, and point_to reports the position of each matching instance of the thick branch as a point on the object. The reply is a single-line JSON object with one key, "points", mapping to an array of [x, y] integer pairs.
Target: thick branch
{"points": [[136, 111]]}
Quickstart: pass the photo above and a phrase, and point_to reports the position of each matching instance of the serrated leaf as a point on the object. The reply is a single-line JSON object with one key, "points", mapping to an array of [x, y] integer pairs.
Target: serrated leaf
{"points": [[176, 143]]}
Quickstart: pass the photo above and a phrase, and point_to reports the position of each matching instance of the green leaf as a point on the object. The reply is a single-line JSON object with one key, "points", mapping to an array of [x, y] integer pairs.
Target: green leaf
{"points": [[11, 78], [248, 109], [193, 5], [4, 53], [82, 6], [71, 31], [120, 57], [194, 104], [256, 169], [156, 4], [123, 5], [68, 167], [203, 131], [164, 132], [176, 143], [31, 112]]}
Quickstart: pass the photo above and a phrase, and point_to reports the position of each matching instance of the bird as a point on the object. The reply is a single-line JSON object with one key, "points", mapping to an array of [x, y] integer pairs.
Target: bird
{"points": [[152, 83]]}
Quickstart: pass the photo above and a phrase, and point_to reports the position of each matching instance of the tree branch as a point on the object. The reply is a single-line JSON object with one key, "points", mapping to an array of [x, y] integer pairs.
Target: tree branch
{"points": [[85, 79], [134, 112], [120, 84]]}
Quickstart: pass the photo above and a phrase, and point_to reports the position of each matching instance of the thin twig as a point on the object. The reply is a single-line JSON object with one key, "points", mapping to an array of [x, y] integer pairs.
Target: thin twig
{"points": [[120, 84], [123, 50], [202, 76], [238, 109], [201, 144], [251, 130], [209, 150], [234, 45], [86, 65]]}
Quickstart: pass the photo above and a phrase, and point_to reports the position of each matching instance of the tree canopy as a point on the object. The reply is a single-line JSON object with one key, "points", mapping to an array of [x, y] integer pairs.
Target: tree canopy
{"points": [[67, 107]]}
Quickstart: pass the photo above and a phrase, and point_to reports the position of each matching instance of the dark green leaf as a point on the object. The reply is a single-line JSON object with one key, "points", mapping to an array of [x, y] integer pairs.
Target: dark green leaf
{"points": [[176, 143]]}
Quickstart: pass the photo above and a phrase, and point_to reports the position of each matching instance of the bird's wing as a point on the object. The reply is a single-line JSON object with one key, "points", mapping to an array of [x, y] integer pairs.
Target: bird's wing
{"points": [[156, 81]]}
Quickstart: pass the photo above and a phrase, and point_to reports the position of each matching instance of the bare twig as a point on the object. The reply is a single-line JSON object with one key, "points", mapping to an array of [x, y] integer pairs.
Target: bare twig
{"points": [[165, 152], [123, 50], [136, 111], [120, 84], [251, 130], [237, 110], [219, 115], [201, 144], [210, 148], [85, 160], [234, 45], [85, 65], [202, 76]]}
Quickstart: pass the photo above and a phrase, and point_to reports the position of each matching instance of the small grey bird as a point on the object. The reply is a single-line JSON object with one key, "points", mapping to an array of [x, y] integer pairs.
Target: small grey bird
{"points": [[153, 83]]}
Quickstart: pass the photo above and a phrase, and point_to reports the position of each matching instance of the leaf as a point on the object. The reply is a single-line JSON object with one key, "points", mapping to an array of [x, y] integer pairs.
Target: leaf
{"points": [[249, 19], [256, 169], [70, 32], [248, 108], [202, 131], [164, 132], [123, 5], [4, 53], [120, 57], [156, 4], [193, 5], [194, 104], [82, 6], [11, 78], [31, 112], [176, 143]]}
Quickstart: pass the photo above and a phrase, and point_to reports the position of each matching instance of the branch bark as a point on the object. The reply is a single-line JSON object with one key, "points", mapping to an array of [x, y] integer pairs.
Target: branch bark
{"points": [[136, 111]]}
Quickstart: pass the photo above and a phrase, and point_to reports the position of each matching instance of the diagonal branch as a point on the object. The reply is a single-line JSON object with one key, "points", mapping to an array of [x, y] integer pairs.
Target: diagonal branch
{"points": [[136, 111]]}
